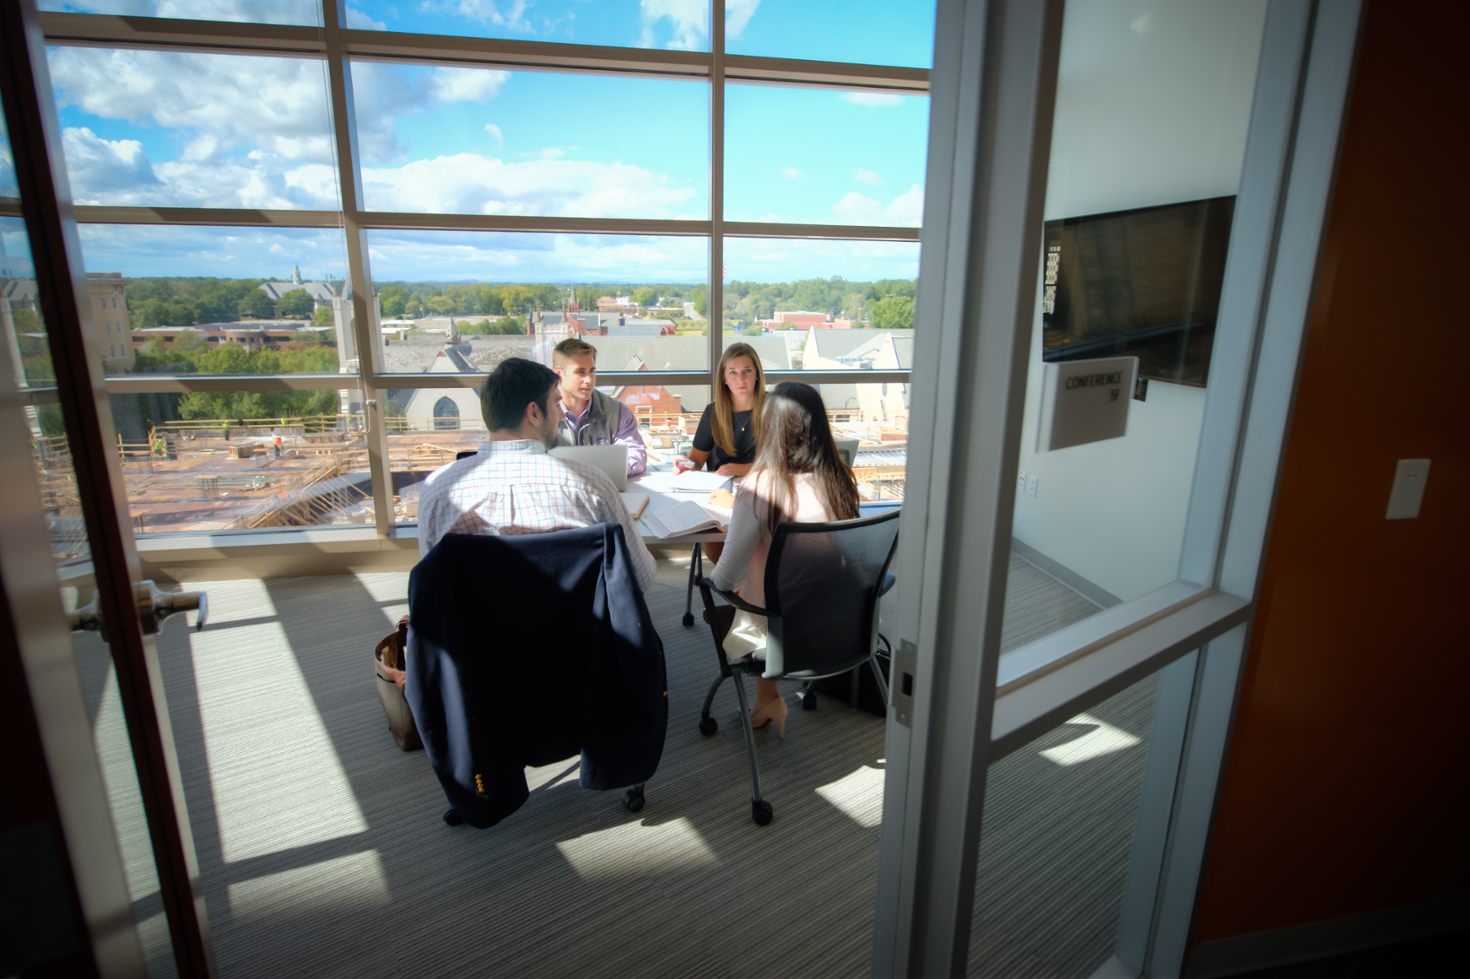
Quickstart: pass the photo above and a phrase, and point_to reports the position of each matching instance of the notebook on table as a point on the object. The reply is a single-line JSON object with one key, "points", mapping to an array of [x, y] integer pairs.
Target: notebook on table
{"points": [[683, 518]]}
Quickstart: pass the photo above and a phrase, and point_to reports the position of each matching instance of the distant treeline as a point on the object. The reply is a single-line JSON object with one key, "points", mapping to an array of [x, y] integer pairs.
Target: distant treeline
{"points": [[885, 303]]}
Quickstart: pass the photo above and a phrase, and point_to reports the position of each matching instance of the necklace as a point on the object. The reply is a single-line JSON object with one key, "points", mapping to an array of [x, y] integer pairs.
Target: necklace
{"points": [[744, 425]]}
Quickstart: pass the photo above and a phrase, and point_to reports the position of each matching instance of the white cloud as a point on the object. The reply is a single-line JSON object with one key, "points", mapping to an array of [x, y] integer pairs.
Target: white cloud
{"points": [[468, 183], [791, 173], [496, 134], [95, 165], [119, 172], [511, 16], [905, 210], [275, 104], [867, 177], [545, 153], [256, 11], [737, 15], [872, 98], [690, 22], [465, 84], [1142, 24], [361, 21]]}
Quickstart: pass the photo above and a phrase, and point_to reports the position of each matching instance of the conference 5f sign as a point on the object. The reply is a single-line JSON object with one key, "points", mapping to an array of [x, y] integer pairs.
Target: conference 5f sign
{"points": [[1085, 401]]}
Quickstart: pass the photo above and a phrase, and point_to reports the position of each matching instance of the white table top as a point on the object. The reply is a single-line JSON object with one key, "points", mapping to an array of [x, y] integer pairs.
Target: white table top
{"points": [[658, 486]]}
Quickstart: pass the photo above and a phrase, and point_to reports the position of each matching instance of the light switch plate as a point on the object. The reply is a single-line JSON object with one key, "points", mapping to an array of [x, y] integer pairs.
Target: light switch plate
{"points": [[1031, 484], [1408, 489]]}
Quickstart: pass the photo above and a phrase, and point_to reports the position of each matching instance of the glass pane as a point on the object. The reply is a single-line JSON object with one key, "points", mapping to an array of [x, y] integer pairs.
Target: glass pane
{"points": [[195, 130], [243, 460], [873, 32], [479, 297], [876, 418], [124, 794], [615, 23], [486, 141], [1057, 836], [836, 303], [172, 300], [877, 178], [252, 11], [1147, 145], [26, 354]]}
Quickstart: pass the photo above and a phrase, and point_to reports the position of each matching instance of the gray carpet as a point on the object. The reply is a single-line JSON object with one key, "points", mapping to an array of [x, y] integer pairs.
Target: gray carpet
{"points": [[323, 853]]}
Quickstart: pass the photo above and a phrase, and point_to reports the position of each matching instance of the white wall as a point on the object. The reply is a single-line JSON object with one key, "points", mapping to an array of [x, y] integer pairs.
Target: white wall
{"points": [[1153, 102]]}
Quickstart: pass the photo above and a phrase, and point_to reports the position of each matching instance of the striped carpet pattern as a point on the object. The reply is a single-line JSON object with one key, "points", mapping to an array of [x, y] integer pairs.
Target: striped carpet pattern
{"points": [[323, 853]]}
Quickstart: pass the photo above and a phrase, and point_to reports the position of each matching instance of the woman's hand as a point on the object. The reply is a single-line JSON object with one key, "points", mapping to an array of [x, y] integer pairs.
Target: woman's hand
{"points": [[721, 498], [731, 469]]}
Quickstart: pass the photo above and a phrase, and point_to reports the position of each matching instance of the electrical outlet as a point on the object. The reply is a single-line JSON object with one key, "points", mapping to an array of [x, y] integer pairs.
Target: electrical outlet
{"points": [[1021, 481], [1031, 485]]}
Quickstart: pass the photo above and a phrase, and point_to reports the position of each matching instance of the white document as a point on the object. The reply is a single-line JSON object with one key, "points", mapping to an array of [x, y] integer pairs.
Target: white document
{"points": [[700, 482], [635, 500], [683, 518]]}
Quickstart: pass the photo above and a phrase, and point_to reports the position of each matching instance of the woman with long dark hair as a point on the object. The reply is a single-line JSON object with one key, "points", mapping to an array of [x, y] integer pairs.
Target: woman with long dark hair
{"points": [[798, 476]]}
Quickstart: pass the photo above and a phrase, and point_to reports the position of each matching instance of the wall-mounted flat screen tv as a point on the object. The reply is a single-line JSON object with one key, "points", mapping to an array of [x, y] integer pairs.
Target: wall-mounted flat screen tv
{"points": [[1144, 283]]}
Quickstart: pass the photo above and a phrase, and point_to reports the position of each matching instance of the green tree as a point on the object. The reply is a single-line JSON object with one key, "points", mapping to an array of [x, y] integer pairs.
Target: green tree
{"points": [[392, 306], [297, 302], [647, 296], [189, 340], [257, 305], [490, 302], [442, 305], [892, 313], [323, 317]]}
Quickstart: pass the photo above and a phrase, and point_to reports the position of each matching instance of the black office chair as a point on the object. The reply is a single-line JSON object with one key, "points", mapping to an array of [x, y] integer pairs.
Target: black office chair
{"points": [[823, 583]]}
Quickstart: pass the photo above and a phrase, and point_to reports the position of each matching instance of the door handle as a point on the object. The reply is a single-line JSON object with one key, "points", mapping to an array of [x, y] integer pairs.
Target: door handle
{"points": [[153, 607]]}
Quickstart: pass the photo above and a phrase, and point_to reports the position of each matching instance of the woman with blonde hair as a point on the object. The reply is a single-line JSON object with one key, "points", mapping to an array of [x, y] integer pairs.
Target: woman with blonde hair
{"points": [[798, 476], [726, 437]]}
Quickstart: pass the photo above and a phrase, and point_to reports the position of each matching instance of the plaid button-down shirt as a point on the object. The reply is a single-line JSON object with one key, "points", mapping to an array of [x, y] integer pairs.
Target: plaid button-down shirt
{"points": [[516, 488]]}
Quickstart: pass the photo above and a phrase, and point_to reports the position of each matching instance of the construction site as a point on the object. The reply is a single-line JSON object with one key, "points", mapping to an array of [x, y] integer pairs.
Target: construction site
{"points": [[211, 476]]}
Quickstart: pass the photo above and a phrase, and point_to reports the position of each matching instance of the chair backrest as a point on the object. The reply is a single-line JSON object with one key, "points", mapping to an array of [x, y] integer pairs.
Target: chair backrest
{"points": [[847, 448], [822, 583]]}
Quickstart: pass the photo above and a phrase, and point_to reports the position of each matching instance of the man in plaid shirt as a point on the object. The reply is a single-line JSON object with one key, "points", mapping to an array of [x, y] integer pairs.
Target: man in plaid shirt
{"points": [[514, 487]]}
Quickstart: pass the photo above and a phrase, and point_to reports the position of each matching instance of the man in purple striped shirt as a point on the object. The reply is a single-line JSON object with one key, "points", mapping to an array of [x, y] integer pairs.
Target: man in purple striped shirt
{"points": [[593, 418]]}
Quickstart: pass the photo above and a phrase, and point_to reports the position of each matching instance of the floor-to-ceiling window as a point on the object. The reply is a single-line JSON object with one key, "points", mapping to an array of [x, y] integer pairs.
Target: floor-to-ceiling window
{"points": [[318, 223]]}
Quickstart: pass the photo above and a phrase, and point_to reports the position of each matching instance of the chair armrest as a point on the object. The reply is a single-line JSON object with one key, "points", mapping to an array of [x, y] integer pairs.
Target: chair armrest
{"points": [[889, 580], [705, 584]]}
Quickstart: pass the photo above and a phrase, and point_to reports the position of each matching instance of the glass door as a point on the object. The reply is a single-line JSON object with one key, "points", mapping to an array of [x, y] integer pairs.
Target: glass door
{"points": [[1120, 235], [125, 830]]}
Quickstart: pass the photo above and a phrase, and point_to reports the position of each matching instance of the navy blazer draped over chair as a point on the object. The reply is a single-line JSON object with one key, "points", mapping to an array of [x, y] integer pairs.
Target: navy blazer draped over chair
{"points": [[527, 650]]}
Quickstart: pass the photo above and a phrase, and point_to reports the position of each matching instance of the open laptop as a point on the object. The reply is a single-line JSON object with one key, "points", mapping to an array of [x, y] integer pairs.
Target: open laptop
{"points": [[611, 459]]}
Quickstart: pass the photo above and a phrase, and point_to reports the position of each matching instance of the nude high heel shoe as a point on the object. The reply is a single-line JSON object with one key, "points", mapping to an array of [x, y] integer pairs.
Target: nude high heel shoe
{"points": [[774, 710]]}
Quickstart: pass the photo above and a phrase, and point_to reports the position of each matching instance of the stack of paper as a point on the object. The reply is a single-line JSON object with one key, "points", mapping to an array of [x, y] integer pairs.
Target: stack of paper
{"points": [[700, 482]]}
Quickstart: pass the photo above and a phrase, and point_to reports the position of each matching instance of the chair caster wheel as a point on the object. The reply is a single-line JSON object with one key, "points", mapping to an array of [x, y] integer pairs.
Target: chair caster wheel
{"points": [[708, 725], [688, 619], [809, 701], [633, 799], [761, 812], [452, 817]]}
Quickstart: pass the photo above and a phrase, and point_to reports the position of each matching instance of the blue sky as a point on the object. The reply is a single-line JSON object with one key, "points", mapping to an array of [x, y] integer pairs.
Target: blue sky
{"points": [[146, 128]]}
